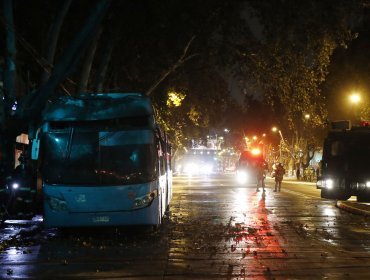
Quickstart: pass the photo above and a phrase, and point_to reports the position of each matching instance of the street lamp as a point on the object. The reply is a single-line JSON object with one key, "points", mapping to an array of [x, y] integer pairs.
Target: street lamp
{"points": [[355, 99]]}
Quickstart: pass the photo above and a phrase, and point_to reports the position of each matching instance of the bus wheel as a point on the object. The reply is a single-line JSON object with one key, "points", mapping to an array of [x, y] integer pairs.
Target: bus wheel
{"points": [[340, 195], [343, 196], [168, 210], [155, 228], [328, 194]]}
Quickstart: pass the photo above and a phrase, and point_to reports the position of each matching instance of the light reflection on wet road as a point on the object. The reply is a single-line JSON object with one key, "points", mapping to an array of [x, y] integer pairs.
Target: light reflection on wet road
{"points": [[216, 230]]}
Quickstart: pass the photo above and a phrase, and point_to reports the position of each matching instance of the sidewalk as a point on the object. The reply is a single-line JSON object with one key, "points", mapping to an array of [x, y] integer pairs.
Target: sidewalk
{"points": [[355, 207], [293, 179]]}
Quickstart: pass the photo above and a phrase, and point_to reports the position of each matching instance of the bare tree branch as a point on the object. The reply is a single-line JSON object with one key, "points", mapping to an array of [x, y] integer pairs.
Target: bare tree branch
{"points": [[53, 40], [33, 105], [183, 58]]}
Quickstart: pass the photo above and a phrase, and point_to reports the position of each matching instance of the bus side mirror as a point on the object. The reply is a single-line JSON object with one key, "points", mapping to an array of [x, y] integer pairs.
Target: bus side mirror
{"points": [[35, 149], [35, 146]]}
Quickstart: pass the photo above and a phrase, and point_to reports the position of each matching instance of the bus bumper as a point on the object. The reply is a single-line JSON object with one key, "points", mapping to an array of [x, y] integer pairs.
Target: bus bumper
{"points": [[149, 215]]}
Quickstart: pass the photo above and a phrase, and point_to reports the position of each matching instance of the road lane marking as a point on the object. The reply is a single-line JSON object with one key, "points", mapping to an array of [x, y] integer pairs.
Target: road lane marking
{"points": [[300, 194]]}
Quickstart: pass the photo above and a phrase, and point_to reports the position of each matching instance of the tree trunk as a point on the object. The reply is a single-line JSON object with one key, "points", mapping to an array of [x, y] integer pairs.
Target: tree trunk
{"points": [[34, 103], [10, 67], [183, 58], [7, 140], [87, 65], [53, 40], [103, 65]]}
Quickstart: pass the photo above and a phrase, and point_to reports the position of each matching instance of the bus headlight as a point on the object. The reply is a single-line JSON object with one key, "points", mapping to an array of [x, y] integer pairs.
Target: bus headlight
{"points": [[241, 176], [15, 186], [325, 184], [319, 184], [145, 200], [57, 204], [328, 184], [206, 169], [368, 184]]}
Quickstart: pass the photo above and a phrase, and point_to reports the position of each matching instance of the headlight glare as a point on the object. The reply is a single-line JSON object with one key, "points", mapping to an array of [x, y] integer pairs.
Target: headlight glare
{"points": [[319, 184], [241, 176], [329, 184], [191, 168], [206, 169]]}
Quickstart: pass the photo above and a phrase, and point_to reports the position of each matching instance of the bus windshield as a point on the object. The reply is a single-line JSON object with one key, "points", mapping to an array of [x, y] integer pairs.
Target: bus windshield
{"points": [[84, 156]]}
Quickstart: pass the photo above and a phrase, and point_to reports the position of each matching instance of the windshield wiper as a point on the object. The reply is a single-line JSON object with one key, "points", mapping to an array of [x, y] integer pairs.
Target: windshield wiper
{"points": [[69, 143], [107, 136]]}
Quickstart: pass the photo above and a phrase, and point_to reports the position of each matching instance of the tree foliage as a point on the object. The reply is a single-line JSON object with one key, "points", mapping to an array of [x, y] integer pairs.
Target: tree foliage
{"points": [[293, 53], [280, 49], [289, 58]]}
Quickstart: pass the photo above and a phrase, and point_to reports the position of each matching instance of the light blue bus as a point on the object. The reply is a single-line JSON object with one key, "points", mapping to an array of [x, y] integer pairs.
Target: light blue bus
{"points": [[104, 162]]}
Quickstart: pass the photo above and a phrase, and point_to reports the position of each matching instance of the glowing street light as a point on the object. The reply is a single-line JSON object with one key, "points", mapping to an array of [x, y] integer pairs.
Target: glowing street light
{"points": [[275, 129], [354, 98]]}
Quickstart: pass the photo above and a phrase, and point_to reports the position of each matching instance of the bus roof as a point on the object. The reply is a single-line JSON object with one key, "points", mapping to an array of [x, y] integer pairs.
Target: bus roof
{"points": [[98, 106], [356, 131]]}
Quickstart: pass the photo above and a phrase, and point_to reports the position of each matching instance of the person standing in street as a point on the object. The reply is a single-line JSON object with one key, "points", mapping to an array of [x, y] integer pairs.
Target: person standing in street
{"points": [[25, 196], [261, 174], [279, 174]]}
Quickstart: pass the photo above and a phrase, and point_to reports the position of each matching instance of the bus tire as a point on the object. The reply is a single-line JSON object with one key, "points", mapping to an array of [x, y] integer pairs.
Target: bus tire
{"points": [[343, 196], [328, 194], [155, 228], [340, 195], [168, 210]]}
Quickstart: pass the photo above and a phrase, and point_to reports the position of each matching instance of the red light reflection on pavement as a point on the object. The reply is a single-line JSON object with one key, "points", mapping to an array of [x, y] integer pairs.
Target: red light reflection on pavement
{"points": [[256, 240]]}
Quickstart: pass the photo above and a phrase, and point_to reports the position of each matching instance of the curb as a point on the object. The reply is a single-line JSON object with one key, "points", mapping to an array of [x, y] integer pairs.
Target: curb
{"points": [[361, 209]]}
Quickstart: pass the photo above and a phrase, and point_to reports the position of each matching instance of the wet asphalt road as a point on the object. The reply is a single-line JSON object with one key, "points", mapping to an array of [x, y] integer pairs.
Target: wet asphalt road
{"points": [[215, 230]]}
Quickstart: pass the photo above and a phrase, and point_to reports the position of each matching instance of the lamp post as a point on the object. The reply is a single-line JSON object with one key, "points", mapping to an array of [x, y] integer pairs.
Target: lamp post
{"points": [[275, 129], [281, 144], [226, 137]]}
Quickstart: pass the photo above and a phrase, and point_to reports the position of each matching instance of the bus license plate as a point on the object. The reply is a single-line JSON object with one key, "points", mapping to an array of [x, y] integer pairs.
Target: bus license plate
{"points": [[101, 219]]}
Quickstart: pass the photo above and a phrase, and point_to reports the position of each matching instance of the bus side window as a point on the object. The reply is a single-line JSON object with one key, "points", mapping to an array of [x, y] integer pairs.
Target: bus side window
{"points": [[162, 161], [163, 165], [337, 148], [169, 156]]}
